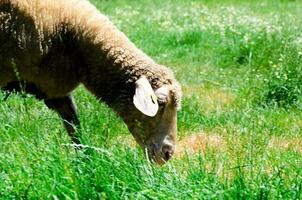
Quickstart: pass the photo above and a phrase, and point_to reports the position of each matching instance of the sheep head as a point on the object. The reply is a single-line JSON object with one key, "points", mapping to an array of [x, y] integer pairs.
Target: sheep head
{"points": [[152, 119]]}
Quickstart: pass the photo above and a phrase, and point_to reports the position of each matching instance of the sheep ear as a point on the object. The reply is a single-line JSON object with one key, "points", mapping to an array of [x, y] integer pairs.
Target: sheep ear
{"points": [[144, 98]]}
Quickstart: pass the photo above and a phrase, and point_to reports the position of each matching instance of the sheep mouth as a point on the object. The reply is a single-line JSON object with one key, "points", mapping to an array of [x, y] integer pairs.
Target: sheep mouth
{"points": [[153, 152], [154, 156]]}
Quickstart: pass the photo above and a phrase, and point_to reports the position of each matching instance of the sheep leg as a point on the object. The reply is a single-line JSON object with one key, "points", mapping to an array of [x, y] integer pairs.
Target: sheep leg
{"points": [[66, 108]]}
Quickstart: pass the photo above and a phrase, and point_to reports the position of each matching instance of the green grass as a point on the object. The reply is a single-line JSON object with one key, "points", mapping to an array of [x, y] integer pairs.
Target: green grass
{"points": [[239, 63]]}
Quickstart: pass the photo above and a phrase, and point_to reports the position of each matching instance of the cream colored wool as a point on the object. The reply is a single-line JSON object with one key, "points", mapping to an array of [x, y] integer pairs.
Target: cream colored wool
{"points": [[71, 42]]}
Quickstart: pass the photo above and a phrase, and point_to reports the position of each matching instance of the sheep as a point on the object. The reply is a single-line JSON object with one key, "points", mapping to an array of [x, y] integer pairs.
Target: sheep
{"points": [[48, 48]]}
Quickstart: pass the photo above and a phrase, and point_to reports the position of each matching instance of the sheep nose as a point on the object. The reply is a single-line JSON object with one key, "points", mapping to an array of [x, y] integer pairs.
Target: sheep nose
{"points": [[167, 152]]}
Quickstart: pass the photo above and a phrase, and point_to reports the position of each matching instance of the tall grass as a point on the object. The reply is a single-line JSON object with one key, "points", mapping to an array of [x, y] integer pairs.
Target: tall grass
{"points": [[239, 63]]}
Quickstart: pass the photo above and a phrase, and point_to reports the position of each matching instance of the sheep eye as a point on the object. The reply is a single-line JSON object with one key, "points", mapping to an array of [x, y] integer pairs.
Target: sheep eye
{"points": [[161, 102]]}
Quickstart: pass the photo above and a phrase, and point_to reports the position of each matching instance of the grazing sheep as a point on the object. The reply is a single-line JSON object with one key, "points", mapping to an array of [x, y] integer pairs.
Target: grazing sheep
{"points": [[48, 48]]}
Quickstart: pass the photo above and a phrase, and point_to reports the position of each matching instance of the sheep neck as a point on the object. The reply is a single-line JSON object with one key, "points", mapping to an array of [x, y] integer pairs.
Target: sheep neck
{"points": [[113, 64]]}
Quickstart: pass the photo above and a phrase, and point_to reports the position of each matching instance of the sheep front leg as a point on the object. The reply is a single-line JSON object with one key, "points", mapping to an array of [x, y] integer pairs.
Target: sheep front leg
{"points": [[66, 108]]}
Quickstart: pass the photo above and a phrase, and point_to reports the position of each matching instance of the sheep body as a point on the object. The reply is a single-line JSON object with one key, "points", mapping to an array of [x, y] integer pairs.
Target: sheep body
{"points": [[53, 46], [51, 40]]}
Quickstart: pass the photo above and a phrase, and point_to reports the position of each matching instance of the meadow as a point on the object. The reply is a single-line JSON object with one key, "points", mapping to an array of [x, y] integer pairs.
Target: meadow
{"points": [[240, 137]]}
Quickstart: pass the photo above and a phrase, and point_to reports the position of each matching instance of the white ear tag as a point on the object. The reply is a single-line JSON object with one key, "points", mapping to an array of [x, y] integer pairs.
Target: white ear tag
{"points": [[144, 99]]}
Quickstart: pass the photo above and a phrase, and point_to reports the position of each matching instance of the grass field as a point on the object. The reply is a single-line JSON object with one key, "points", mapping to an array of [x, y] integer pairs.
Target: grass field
{"points": [[239, 63]]}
